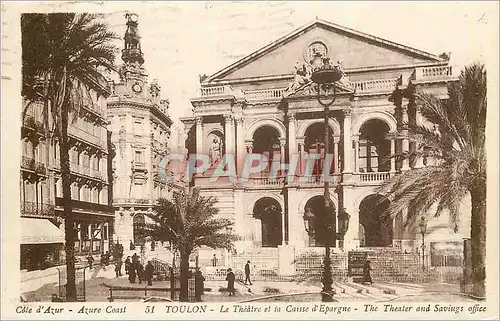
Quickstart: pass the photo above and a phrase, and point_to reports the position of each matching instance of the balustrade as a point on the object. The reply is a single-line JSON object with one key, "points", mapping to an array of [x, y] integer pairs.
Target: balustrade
{"points": [[374, 177], [434, 73], [264, 94], [215, 91], [377, 85]]}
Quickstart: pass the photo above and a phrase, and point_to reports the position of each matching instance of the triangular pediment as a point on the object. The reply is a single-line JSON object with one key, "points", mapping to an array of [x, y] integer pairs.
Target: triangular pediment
{"points": [[356, 51]]}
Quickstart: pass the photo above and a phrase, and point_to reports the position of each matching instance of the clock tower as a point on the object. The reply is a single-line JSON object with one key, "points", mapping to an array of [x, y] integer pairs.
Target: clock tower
{"points": [[140, 125], [132, 71]]}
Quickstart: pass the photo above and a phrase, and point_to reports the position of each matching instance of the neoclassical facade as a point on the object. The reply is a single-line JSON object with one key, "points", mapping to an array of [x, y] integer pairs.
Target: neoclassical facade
{"points": [[140, 126], [266, 104]]}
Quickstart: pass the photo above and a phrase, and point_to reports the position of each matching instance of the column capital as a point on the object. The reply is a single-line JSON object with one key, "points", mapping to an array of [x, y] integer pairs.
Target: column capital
{"points": [[198, 120], [292, 117], [228, 119], [249, 143], [336, 139], [355, 137], [347, 112], [239, 120], [282, 142]]}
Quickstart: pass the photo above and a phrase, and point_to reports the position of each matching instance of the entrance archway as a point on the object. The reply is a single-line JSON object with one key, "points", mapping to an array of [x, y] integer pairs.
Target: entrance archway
{"points": [[314, 143], [374, 147], [139, 229], [319, 234], [266, 141], [269, 212], [378, 228]]}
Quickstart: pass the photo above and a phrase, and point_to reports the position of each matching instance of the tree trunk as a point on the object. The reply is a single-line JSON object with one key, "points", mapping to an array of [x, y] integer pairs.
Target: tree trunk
{"points": [[66, 193], [183, 296], [478, 238]]}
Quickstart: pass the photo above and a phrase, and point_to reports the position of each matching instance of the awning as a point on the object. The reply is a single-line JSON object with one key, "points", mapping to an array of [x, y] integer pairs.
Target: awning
{"points": [[40, 231]]}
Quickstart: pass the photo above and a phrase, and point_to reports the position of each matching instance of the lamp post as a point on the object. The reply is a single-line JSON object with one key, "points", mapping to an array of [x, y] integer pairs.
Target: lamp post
{"points": [[309, 219], [423, 230], [324, 75]]}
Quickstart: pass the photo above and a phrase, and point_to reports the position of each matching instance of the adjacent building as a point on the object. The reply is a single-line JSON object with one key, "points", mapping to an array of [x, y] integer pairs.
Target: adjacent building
{"points": [[140, 125], [265, 103], [41, 184]]}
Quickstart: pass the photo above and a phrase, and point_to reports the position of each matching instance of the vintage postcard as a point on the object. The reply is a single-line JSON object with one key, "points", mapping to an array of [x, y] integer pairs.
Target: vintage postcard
{"points": [[249, 160]]}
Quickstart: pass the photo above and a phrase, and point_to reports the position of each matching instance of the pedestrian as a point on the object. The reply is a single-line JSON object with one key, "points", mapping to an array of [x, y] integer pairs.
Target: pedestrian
{"points": [[149, 272], [199, 285], [128, 263], [106, 259], [140, 271], [135, 259], [214, 261], [230, 278], [56, 298], [118, 268], [103, 259], [90, 261], [247, 273], [131, 274], [367, 278]]}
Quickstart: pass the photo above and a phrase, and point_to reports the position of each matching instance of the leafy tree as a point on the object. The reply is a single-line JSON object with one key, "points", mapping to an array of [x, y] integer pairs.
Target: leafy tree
{"points": [[189, 221], [63, 55], [459, 166]]}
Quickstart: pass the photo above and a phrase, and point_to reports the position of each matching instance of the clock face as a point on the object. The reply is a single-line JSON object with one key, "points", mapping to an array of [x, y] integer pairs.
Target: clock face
{"points": [[137, 88], [133, 17], [314, 48]]}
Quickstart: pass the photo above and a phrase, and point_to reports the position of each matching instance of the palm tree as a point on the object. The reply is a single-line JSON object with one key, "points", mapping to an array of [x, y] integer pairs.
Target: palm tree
{"points": [[62, 54], [459, 168], [189, 222]]}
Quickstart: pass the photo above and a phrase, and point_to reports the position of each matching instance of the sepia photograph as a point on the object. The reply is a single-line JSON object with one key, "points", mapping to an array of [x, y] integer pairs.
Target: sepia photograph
{"points": [[249, 153]]}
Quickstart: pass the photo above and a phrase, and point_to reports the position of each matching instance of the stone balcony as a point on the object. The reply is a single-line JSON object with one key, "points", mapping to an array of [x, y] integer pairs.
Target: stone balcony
{"points": [[435, 74], [34, 209], [29, 164]]}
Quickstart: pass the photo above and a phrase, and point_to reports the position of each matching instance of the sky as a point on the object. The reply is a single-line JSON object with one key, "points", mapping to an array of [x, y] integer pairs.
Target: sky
{"points": [[181, 40]]}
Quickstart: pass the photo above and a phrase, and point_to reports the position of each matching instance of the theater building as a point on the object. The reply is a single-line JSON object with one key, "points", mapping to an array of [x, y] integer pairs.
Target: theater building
{"points": [[265, 103]]}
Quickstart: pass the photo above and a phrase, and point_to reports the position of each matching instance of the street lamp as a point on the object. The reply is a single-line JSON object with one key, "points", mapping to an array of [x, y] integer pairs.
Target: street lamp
{"points": [[324, 75], [423, 230]]}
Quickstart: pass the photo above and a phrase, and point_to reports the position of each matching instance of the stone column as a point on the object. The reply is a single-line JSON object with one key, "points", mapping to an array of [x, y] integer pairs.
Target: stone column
{"points": [[292, 135], [300, 142], [229, 134], [347, 142], [356, 152], [240, 145], [419, 161], [393, 152], [257, 232], [199, 135], [404, 132], [336, 140]]}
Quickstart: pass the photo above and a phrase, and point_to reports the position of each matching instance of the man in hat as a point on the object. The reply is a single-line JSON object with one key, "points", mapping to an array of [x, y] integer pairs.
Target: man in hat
{"points": [[247, 273]]}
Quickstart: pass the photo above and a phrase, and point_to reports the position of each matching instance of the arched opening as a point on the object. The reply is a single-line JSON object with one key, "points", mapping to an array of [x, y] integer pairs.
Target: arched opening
{"points": [[374, 147], [269, 212], [377, 227], [266, 141], [139, 229], [314, 143], [318, 231]]}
